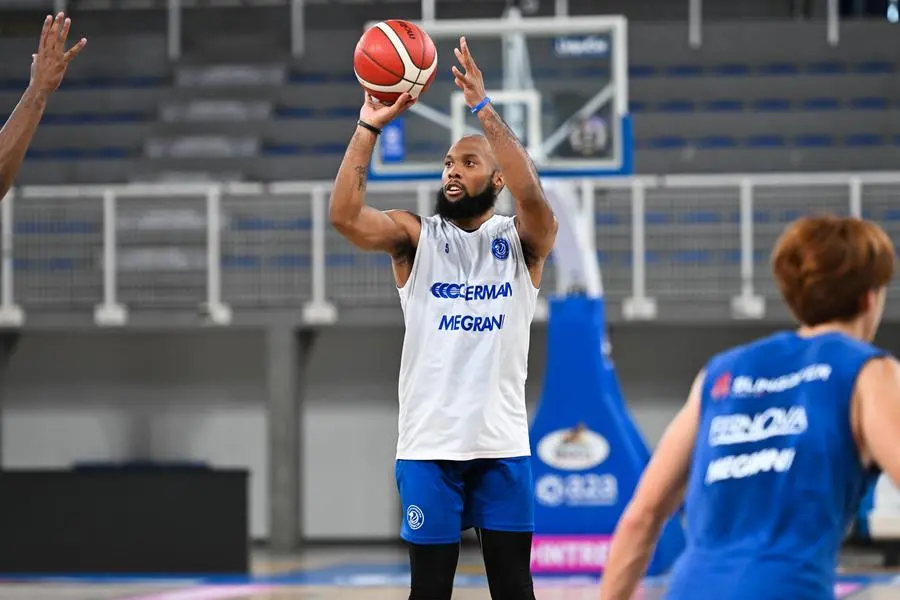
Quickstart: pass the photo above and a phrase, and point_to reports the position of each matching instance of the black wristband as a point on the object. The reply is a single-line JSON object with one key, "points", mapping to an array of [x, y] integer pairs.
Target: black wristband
{"points": [[371, 128]]}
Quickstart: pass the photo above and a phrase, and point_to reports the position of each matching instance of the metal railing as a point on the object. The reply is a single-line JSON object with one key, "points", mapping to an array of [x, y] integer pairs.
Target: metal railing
{"points": [[226, 247]]}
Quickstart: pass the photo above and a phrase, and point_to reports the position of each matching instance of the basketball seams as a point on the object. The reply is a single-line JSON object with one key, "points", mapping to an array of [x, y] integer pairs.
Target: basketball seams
{"points": [[408, 64], [378, 64], [421, 56]]}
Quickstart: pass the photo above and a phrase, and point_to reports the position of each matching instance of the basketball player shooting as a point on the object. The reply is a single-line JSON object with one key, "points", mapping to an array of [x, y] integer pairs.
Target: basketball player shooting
{"points": [[48, 66], [468, 283], [779, 438]]}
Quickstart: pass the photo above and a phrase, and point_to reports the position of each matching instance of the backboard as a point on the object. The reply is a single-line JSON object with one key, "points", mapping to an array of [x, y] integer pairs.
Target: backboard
{"points": [[561, 84]]}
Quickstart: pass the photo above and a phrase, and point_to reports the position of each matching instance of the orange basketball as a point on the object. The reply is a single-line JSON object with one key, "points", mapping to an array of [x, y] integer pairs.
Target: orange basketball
{"points": [[393, 57]]}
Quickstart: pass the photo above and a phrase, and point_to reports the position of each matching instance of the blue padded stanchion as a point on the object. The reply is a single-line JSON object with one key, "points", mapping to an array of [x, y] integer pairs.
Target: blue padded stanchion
{"points": [[587, 453]]}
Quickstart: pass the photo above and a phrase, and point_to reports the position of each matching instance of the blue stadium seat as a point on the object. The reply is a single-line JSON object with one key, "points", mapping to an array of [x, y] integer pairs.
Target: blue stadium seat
{"points": [[13, 84], [779, 69], [821, 104], [765, 141], [725, 105], [49, 264], [636, 107], [684, 71], [874, 67], [658, 218], [700, 217], [772, 105], [692, 256], [335, 148], [264, 224], [340, 260], [72, 154], [56, 227], [607, 219], [869, 103], [294, 112], [826, 68], [891, 214], [732, 70], [282, 149], [676, 105], [94, 82], [637, 71], [864, 139], [96, 118], [666, 142], [814, 140], [717, 141], [733, 256], [340, 111]]}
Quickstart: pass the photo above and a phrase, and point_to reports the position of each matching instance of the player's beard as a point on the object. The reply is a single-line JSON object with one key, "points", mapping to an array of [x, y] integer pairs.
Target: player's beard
{"points": [[467, 206]]}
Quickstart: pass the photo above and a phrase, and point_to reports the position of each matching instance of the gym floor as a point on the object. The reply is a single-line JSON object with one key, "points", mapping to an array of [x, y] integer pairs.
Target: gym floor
{"points": [[355, 574]]}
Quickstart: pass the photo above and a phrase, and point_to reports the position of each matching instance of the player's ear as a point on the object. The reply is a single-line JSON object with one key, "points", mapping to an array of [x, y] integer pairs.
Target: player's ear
{"points": [[867, 300], [497, 181]]}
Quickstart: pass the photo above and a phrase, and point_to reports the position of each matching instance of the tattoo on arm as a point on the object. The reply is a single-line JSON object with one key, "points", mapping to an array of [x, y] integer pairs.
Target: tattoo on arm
{"points": [[362, 176], [496, 128]]}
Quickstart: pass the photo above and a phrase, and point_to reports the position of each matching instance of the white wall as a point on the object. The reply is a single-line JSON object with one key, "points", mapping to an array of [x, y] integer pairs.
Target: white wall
{"points": [[76, 397]]}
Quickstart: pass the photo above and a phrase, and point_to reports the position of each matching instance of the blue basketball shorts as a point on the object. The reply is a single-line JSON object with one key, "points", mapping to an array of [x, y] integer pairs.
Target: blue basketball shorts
{"points": [[442, 498]]}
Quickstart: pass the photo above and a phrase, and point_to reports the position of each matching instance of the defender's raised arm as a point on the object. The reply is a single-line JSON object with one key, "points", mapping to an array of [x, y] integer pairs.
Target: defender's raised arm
{"points": [[48, 66]]}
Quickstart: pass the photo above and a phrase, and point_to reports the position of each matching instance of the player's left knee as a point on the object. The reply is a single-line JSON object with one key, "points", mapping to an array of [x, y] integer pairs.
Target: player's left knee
{"points": [[507, 561]]}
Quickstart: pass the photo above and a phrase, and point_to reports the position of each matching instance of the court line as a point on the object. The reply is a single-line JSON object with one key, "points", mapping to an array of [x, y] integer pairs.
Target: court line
{"points": [[221, 592]]}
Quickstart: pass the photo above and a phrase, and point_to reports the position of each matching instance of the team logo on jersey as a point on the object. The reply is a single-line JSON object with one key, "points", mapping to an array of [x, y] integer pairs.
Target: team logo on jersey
{"points": [[500, 249], [722, 387], [415, 518]]}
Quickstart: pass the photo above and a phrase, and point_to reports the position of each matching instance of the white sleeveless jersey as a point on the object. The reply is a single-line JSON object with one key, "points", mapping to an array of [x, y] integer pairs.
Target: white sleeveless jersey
{"points": [[468, 307]]}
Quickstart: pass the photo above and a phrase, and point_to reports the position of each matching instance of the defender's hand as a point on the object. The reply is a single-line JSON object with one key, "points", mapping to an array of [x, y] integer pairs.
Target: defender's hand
{"points": [[49, 65], [472, 81], [378, 114]]}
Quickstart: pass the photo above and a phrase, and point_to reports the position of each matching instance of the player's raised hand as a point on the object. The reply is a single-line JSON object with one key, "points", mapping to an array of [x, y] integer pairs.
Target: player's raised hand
{"points": [[49, 64], [378, 114], [472, 81]]}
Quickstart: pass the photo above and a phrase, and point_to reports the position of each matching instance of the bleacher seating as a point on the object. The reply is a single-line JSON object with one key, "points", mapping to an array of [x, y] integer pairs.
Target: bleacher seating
{"points": [[692, 248], [797, 106]]}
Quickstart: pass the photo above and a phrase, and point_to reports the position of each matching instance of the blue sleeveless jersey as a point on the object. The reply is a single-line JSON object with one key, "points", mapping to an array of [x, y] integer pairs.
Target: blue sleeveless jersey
{"points": [[776, 477]]}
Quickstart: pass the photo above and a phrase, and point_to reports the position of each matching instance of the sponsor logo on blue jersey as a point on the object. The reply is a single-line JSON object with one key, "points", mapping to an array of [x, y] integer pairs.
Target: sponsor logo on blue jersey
{"points": [[471, 323], [463, 291], [758, 386], [740, 428]]}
